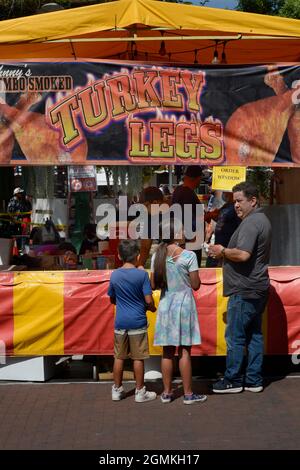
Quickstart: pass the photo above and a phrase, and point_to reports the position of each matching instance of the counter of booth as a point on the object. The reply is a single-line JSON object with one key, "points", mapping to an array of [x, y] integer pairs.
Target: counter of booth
{"points": [[45, 313]]}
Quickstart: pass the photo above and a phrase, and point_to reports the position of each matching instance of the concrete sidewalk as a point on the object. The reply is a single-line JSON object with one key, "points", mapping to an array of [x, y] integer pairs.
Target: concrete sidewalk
{"points": [[82, 416]]}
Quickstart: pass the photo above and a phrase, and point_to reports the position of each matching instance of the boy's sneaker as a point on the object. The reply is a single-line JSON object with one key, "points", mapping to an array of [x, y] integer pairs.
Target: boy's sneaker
{"points": [[117, 394], [224, 386], [167, 397], [143, 395], [253, 388], [194, 398]]}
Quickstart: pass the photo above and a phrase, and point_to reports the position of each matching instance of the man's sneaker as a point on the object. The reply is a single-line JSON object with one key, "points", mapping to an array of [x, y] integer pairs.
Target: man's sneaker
{"points": [[253, 388], [143, 395], [167, 397], [224, 386], [194, 398], [117, 393]]}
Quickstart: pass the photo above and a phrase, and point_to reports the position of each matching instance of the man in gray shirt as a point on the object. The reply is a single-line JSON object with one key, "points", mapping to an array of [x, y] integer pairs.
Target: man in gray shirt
{"points": [[246, 282]]}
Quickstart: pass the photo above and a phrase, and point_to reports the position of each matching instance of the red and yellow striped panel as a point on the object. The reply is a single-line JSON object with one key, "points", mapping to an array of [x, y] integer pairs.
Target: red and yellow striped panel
{"points": [[38, 303], [207, 305], [283, 326], [88, 313], [57, 313], [7, 313]]}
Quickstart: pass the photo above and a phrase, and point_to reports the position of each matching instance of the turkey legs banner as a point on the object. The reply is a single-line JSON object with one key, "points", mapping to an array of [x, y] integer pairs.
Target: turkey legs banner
{"points": [[132, 113]]}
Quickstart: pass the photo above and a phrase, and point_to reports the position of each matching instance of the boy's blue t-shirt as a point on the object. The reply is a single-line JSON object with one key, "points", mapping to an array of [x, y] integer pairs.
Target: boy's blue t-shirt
{"points": [[129, 287]]}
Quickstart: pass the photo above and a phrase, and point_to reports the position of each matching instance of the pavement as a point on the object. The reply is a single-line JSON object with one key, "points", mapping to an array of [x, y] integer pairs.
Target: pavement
{"points": [[81, 415]]}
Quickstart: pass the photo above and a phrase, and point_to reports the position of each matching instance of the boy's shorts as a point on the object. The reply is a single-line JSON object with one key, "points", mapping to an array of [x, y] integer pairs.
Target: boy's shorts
{"points": [[131, 344]]}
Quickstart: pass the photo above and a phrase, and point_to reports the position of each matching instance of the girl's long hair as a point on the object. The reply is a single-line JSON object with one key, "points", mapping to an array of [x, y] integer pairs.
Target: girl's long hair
{"points": [[167, 235], [160, 271]]}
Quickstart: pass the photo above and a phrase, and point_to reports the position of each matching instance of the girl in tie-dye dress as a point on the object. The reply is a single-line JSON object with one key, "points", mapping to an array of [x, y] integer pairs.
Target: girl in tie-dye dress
{"points": [[175, 271]]}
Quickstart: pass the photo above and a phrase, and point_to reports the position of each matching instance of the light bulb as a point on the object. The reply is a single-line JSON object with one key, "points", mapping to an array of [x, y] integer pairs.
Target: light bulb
{"points": [[196, 58], [162, 50], [216, 58], [223, 59]]}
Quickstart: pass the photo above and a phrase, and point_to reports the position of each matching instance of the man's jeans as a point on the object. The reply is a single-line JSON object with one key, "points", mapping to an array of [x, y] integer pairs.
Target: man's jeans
{"points": [[243, 331]]}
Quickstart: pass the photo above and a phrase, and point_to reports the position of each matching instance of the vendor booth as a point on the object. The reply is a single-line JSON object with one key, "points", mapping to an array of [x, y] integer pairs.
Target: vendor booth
{"points": [[142, 82]]}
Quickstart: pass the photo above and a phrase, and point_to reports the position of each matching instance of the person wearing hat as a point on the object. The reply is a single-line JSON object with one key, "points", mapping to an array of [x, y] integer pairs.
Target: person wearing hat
{"points": [[185, 194], [19, 204]]}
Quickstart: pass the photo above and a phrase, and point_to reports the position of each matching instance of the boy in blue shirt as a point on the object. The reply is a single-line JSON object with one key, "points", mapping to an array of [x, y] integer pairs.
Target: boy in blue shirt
{"points": [[130, 291]]}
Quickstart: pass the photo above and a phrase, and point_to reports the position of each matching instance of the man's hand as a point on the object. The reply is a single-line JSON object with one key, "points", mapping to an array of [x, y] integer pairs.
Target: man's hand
{"points": [[215, 251], [232, 254]]}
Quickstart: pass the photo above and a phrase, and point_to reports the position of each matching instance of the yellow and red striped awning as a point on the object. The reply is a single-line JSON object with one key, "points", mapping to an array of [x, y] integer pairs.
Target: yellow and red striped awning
{"points": [[106, 31]]}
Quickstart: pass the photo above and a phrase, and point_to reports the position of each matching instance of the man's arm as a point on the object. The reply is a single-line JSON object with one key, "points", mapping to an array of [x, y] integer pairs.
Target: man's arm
{"points": [[233, 254]]}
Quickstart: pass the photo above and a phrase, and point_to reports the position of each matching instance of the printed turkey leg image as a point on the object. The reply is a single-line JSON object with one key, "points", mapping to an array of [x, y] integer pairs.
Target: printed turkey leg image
{"points": [[255, 130], [7, 140], [277, 83], [37, 140], [27, 100]]}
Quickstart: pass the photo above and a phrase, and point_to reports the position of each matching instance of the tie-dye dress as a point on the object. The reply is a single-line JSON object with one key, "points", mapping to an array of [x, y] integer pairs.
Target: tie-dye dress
{"points": [[177, 318]]}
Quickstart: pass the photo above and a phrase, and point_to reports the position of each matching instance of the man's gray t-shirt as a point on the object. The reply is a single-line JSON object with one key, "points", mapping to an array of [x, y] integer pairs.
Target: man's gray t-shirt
{"points": [[250, 279]]}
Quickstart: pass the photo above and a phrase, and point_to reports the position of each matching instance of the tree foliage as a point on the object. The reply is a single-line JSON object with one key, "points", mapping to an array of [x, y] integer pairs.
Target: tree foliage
{"points": [[16, 8], [264, 7], [290, 9]]}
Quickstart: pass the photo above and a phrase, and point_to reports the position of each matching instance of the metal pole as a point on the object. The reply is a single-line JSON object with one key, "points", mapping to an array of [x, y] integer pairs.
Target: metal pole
{"points": [[170, 170], [136, 38]]}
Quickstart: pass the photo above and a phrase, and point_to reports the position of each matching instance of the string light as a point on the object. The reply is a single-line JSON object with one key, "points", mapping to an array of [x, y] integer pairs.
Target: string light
{"points": [[162, 50], [18, 170], [133, 50], [216, 55], [196, 59], [224, 59]]}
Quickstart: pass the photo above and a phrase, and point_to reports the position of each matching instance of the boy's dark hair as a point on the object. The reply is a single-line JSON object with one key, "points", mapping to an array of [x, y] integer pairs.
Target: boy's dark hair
{"points": [[249, 189], [128, 250]]}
